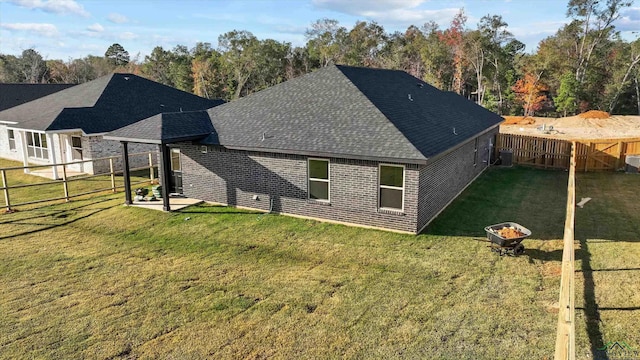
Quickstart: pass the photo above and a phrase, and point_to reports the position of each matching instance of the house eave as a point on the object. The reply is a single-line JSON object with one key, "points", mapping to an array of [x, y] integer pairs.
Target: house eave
{"points": [[154, 141], [449, 150], [323, 154], [133, 140]]}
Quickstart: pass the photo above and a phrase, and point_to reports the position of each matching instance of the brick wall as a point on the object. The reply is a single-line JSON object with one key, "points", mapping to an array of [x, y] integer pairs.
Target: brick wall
{"points": [[95, 147], [442, 179], [234, 177]]}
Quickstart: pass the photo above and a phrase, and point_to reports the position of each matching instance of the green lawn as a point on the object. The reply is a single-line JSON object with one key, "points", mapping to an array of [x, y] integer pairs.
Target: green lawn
{"points": [[56, 190], [95, 279], [608, 262]]}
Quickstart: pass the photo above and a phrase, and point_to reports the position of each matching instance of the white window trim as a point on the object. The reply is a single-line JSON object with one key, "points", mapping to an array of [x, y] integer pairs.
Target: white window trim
{"points": [[15, 146], [76, 148], [327, 180], [475, 152], [380, 186], [40, 135]]}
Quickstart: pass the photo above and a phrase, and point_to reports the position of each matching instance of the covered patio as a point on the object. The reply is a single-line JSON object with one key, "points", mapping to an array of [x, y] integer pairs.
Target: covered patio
{"points": [[162, 130]]}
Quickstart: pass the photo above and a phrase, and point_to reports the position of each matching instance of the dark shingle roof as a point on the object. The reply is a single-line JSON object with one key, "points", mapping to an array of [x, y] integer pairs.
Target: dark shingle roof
{"points": [[103, 105], [166, 128], [349, 112], [17, 94]]}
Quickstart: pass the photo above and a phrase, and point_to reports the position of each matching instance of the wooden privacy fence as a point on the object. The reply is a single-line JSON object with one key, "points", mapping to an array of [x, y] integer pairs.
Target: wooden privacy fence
{"points": [[114, 168], [547, 153]]}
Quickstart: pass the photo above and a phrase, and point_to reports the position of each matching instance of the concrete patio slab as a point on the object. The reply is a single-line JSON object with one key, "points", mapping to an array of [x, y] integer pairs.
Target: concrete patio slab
{"points": [[176, 203]]}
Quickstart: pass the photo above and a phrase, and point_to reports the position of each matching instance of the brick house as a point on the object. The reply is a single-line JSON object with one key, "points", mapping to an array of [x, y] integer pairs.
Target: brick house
{"points": [[67, 125], [369, 147]]}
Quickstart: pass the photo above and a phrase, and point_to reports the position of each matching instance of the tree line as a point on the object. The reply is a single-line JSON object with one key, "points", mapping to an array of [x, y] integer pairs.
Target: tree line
{"points": [[584, 65]]}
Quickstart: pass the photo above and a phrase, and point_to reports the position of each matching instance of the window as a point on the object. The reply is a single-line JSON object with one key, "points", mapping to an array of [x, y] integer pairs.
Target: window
{"points": [[475, 152], [76, 148], [318, 179], [37, 145], [175, 160], [391, 187], [12, 140]]}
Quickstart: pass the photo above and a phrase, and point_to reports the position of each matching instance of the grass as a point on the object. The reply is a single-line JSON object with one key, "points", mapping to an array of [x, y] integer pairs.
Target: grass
{"points": [[607, 262], [94, 279], [48, 191]]}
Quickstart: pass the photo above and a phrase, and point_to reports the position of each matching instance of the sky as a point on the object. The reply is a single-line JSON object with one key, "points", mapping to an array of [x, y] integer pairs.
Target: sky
{"points": [[64, 29]]}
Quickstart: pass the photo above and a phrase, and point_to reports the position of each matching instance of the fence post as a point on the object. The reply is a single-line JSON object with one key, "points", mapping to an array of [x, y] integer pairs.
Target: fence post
{"points": [[150, 168], [619, 158], [64, 182], [113, 175], [6, 190]]}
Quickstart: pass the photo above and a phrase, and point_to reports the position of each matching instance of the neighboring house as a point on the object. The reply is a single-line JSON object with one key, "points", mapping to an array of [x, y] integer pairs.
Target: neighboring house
{"points": [[68, 125], [17, 94], [376, 148]]}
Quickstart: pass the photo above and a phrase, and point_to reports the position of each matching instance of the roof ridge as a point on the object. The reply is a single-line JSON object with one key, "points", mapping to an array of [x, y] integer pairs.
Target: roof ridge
{"points": [[378, 108]]}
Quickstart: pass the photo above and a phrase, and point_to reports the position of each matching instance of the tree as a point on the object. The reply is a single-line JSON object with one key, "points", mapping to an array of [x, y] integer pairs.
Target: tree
{"points": [[180, 68], [628, 58], [567, 99], [239, 61], [117, 55], [156, 65], [364, 42], [530, 93], [32, 67], [453, 37], [326, 41], [597, 25]]}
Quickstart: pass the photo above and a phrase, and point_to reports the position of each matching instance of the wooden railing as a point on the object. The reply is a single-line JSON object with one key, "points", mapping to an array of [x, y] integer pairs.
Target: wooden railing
{"points": [[565, 336], [65, 180], [547, 153]]}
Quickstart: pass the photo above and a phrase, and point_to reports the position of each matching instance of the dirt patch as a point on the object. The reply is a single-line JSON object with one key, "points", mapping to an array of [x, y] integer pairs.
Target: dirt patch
{"points": [[577, 127], [594, 114], [551, 269], [517, 120]]}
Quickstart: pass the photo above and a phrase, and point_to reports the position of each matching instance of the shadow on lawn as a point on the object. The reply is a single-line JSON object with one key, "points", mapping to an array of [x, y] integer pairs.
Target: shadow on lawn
{"points": [[53, 216], [591, 310], [535, 199]]}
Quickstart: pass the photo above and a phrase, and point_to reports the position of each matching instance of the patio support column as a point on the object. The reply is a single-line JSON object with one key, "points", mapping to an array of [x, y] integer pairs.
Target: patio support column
{"points": [[125, 173], [25, 154], [52, 153], [165, 167]]}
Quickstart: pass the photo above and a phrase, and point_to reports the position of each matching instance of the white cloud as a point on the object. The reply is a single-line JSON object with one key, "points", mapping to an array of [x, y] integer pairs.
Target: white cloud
{"points": [[48, 30], [390, 12], [54, 6], [95, 28], [629, 20], [117, 18], [361, 7], [127, 36]]}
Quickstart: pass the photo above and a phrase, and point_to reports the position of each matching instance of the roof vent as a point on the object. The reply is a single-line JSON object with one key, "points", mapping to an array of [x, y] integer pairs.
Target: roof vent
{"points": [[126, 78], [264, 136], [420, 85], [410, 98], [454, 131]]}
